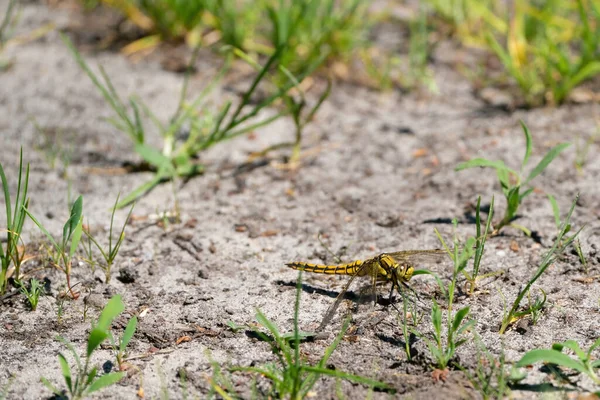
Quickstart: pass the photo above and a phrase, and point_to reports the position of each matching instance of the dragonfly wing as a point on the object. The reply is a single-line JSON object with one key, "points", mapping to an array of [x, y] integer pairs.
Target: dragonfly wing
{"points": [[419, 256], [332, 309]]}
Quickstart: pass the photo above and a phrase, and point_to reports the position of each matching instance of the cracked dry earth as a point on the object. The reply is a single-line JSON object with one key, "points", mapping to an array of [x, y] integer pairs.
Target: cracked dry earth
{"points": [[377, 175]]}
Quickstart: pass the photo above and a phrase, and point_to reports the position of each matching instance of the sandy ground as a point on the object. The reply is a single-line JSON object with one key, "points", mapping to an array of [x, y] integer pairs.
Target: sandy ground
{"points": [[378, 176]]}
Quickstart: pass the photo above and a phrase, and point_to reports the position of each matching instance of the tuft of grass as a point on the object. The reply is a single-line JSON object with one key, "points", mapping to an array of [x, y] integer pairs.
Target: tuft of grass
{"points": [[456, 324], [65, 250], [291, 377], [550, 48], [83, 380], [179, 153], [584, 363], [110, 253], [559, 246], [307, 29], [32, 293], [515, 186], [14, 225], [480, 240]]}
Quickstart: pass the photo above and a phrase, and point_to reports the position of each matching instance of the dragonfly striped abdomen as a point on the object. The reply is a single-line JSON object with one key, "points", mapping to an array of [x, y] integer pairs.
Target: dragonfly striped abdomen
{"points": [[343, 269]]}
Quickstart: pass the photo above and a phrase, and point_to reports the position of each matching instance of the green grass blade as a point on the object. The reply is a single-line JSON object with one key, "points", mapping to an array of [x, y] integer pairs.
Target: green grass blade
{"points": [[66, 371], [141, 190], [541, 166], [128, 333], [76, 238], [350, 377], [50, 386], [458, 318], [113, 308], [528, 144], [44, 231], [73, 221], [7, 202], [550, 356], [555, 210], [105, 381], [95, 339], [153, 157]]}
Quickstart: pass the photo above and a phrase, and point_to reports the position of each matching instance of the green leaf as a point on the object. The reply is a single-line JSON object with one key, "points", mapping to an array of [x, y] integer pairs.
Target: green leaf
{"points": [[551, 155], [76, 237], [527, 144], [152, 156], [586, 72], [73, 221], [141, 190], [96, 337], [44, 231], [105, 381], [66, 371], [91, 376], [525, 194], [128, 333], [113, 308], [550, 356], [436, 317], [458, 318], [100, 332], [466, 327], [480, 162], [50, 386], [572, 345], [555, 210]]}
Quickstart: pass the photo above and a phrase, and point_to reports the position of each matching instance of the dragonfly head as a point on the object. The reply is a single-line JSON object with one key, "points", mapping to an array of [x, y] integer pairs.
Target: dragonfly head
{"points": [[398, 272]]}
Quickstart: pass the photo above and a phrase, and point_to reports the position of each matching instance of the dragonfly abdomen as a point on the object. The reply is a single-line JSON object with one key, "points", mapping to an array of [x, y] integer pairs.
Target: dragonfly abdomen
{"points": [[343, 269]]}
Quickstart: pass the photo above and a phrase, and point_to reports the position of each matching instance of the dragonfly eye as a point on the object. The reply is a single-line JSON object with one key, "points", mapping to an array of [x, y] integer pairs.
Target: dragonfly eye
{"points": [[409, 270]]}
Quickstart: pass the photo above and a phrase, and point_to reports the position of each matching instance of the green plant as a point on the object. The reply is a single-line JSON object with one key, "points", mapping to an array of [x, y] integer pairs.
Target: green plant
{"points": [[419, 52], [469, 19], [455, 324], [32, 293], [584, 362], [409, 309], [513, 182], [292, 377], [14, 225], [308, 29], [84, 379], [71, 237], [178, 159], [480, 240], [120, 344], [559, 246], [550, 48], [109, 254]]}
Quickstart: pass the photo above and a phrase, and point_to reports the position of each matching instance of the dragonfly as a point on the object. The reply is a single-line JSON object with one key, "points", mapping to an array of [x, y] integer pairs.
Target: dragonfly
{"points": [[397, 268]]}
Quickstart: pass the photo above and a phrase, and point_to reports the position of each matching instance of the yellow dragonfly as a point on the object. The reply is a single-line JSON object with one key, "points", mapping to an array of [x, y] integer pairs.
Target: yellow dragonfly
{"points": [[397, 267]]}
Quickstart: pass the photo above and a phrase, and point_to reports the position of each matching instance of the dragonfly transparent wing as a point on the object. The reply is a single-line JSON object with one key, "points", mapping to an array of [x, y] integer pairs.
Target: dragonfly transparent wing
{"points": [[332, 309], [419, 256]]}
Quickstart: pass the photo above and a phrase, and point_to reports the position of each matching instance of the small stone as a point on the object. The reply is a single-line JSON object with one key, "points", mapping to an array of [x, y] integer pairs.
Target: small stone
{"points": [[127, 275], [95, 300]]}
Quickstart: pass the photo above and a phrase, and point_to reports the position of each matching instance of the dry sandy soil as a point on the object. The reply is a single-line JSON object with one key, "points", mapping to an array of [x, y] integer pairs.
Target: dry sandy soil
{"points": [[378, 176]]}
